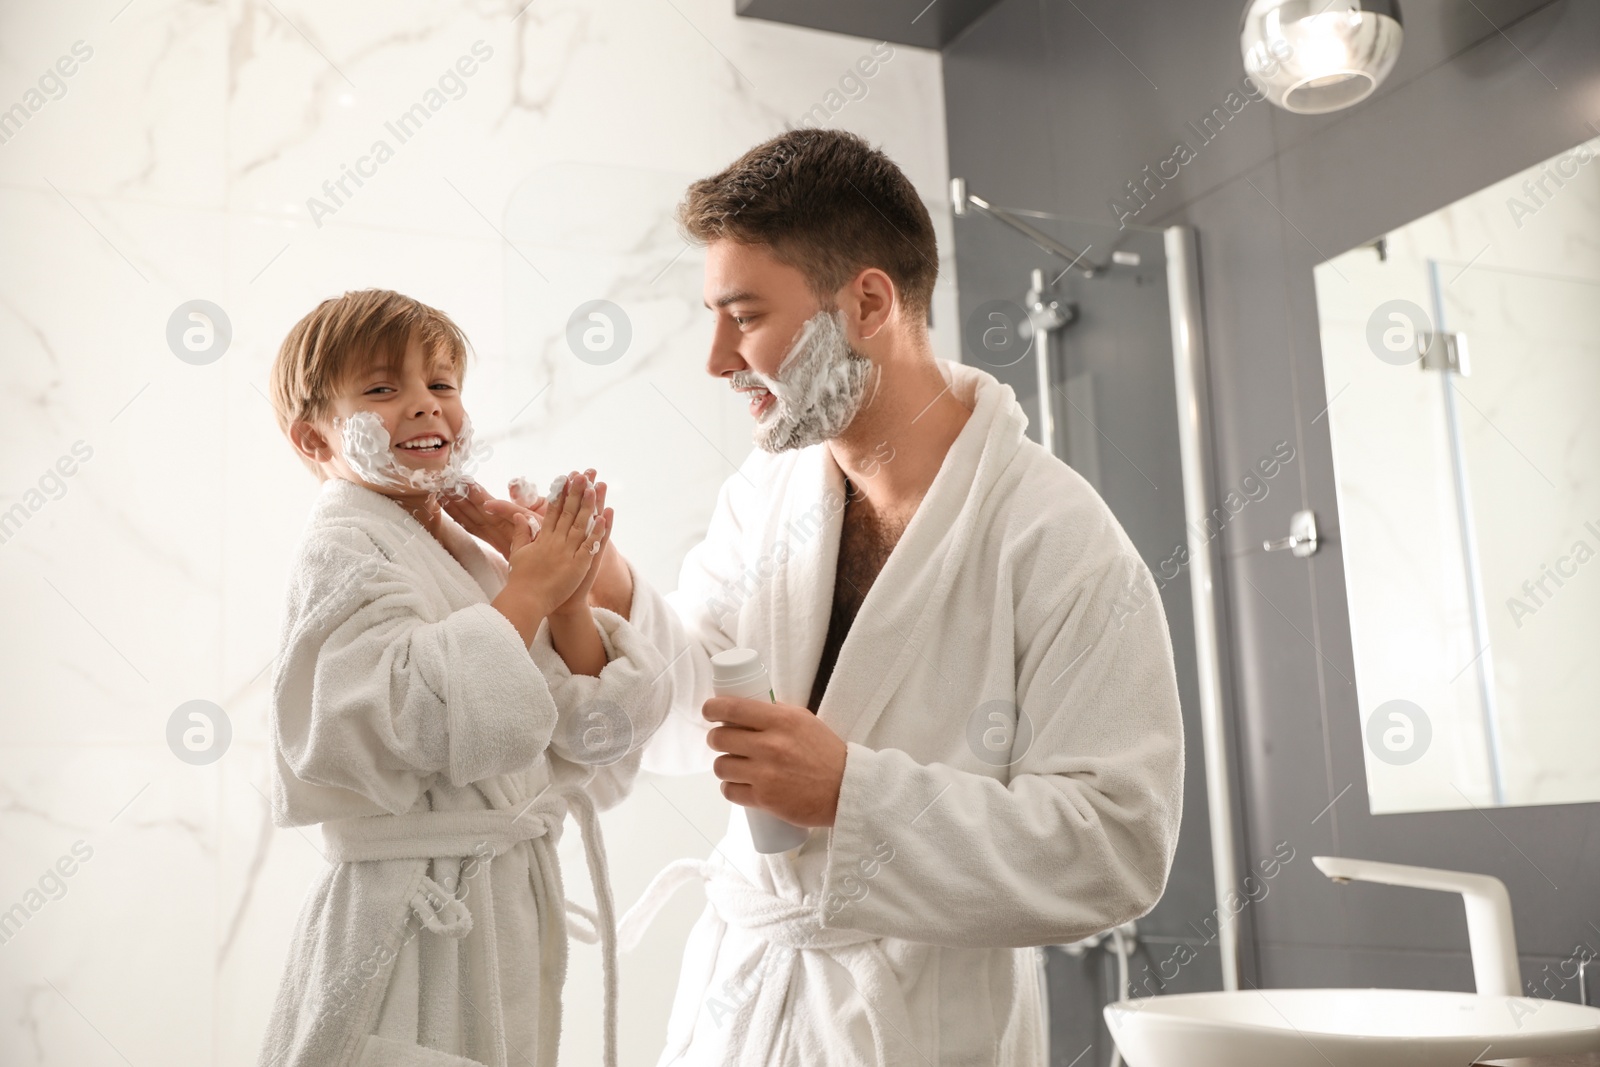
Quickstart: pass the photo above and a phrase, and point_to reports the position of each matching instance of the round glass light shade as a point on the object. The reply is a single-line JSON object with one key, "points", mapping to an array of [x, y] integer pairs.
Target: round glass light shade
{"points": [[1312, 56]]}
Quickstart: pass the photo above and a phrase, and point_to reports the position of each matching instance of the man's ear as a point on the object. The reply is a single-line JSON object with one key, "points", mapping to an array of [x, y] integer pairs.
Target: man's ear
{"points": [[869, 301], [309, 441]]}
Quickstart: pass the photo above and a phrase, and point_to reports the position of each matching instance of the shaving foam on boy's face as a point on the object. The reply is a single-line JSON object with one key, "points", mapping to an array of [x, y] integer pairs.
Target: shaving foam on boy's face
{"points": [[818, 389], [366, 448]]}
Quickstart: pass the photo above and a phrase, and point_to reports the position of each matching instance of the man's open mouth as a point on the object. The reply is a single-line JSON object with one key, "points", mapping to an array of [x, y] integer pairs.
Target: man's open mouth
{"points": [[759, 397]]}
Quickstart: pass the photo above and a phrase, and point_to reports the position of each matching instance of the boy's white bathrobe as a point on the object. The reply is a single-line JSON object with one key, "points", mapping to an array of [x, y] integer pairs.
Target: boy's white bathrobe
{"points": [[897, 936], [441, 755]]}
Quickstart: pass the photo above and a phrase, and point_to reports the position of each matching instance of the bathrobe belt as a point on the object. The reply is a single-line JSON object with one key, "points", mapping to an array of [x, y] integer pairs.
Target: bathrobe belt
{"points": [[795, 938], [428, 835]]}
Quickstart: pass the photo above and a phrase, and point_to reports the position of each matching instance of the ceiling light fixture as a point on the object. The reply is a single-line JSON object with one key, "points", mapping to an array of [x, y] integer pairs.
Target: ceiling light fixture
{"points": [[1314, 56]]}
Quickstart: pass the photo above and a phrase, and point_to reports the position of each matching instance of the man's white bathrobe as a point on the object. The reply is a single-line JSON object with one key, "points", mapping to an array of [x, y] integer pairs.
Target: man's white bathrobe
{"points": [[441, 755], [898, 935]]}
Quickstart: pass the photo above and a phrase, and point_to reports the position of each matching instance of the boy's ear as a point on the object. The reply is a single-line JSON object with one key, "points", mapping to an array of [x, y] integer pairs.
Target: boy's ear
{"points": [[309, 441]]}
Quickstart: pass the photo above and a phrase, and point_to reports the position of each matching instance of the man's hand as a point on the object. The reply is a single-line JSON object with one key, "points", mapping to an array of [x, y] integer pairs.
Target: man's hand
{"points": [[488, 518], [779, 758]]}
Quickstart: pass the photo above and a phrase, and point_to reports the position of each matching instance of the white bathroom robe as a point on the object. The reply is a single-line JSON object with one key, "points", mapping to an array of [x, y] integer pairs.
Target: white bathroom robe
{"points": [[441, 755], [900, 935]]}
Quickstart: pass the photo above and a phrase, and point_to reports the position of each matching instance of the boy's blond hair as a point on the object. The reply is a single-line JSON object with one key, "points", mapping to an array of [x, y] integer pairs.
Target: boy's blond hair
{"points": [[346, 335]]}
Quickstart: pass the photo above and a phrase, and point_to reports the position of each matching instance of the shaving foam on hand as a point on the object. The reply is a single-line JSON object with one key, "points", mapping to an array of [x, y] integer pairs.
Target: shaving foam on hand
{"points": [[524, 489]]}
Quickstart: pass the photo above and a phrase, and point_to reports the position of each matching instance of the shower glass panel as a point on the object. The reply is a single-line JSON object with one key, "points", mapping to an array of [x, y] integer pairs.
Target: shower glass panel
{"points": [[1110, 377]]}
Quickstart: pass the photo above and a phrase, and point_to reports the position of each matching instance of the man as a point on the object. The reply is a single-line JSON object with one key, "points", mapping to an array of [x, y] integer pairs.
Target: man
{"points": [[987, 748]]}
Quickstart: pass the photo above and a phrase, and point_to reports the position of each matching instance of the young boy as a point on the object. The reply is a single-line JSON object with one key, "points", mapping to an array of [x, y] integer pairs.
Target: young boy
{"points": [[438, 710]]}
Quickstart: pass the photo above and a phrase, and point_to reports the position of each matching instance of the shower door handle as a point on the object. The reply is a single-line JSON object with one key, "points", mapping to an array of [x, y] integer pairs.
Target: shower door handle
{"points": [[1302, 539]]}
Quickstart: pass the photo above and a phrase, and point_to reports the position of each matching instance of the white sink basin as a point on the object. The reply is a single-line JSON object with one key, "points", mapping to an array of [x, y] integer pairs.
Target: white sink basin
{"points": [[1345, 1028]]}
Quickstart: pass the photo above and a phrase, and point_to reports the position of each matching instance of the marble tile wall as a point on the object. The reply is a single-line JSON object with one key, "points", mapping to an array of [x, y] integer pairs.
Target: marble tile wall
{"points": [[175, 150]]}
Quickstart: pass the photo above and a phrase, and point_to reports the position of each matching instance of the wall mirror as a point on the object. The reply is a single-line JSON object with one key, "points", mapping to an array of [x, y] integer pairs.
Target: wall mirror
{"points": [[1461, 355]]}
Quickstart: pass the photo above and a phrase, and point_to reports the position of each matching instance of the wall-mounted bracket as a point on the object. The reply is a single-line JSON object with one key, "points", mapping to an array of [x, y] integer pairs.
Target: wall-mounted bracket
{"points": [[1443, 351]]}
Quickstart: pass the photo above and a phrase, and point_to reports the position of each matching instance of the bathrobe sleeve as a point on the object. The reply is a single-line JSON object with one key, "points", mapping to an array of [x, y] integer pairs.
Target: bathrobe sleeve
{"points": [[694, 623], [373, 698], [605, 720], [1078, 840]]}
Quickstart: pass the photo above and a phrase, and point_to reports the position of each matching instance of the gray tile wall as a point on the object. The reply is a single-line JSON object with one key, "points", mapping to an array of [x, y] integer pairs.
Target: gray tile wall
{"points": [[1055, 105]]}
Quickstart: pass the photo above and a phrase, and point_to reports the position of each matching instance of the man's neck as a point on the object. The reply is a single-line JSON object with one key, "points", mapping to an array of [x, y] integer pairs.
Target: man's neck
{"points": [[894, 447]]}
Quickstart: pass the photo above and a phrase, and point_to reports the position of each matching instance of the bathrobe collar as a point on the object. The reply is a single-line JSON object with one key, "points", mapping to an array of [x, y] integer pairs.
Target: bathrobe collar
{"points": [[908, 595], [479, 570]]}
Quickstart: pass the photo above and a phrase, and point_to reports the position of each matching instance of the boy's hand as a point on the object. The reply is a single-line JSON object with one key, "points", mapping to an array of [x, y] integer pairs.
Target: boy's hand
{"points": [[549, 563], [610, 584], [578, 602]]}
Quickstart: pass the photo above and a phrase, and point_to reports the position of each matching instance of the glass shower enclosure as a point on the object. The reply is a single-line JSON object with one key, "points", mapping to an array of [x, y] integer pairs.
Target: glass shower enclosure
{"points": [[1096, 328]]}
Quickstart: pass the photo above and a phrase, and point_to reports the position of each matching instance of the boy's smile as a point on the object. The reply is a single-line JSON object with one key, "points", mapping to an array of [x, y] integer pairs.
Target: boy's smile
{"points": [[425, 445]]}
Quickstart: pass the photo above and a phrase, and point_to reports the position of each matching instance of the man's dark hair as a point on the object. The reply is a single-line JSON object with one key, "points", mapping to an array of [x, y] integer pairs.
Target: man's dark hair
{"points": [[826, 203]]}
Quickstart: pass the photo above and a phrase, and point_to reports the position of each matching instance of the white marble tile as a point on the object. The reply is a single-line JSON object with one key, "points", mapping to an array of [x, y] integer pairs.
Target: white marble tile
{"points": [[262, 876], [143, 113], [123, 569], [177, 165], [120, 966]]}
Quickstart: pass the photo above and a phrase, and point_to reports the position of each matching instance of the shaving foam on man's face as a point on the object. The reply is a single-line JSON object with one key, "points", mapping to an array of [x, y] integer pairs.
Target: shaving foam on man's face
{"points": [[818, 389]]}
